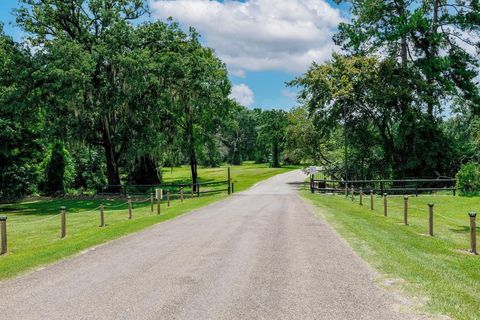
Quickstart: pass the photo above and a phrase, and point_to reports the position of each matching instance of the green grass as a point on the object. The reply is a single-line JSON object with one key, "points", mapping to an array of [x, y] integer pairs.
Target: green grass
{"points": [[34, 226], [438, 270]]}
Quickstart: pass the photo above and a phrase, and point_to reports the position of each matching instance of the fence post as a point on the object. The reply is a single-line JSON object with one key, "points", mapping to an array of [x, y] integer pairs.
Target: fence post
{"points": [[353, 192], [198, 189], [346, 189], [385, 205], [168, 198], [159, 199], [229, 188], [361, 196], [181, 194], [473, 232], [233, 187], [371, 200], [102, 216], [129, 199], [3, 231], [151, 202], [405, 210], [192, 190], [430, 219], [63, 218]]}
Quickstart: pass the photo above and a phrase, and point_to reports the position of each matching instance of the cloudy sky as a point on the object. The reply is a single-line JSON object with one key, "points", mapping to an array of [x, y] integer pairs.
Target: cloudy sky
{"points": [[263, 42]]}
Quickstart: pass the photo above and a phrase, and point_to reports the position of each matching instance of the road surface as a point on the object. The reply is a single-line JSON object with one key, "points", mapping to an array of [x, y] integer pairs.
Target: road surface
{"points": [[260, 254]]}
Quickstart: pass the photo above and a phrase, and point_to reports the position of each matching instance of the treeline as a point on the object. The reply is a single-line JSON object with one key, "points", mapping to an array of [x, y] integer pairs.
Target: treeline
{"points": [[96, 95], [402, 95]]}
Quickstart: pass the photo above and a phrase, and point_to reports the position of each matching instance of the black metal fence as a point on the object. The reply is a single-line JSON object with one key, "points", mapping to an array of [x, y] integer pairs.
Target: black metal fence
{"points": [[175, 190], [405, 186]]}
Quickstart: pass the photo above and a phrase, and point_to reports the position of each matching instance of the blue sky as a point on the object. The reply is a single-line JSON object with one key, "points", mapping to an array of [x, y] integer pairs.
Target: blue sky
{"points": [[264, 43]]}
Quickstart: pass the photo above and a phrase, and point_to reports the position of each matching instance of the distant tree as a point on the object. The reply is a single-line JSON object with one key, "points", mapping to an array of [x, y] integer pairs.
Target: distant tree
{"points": [[271, 131]]}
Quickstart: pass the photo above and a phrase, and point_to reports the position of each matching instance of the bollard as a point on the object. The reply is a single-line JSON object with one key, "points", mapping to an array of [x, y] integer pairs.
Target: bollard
{"points": [[430, 219], [63, 216], [129, 207], [361, 196], [151, 202], [371, 200], [3, 231], [233, 187], [159, 199], [168, 198], [473, 232], [385, 205], [181, 194], [102, 216], [405, 210], [229, 180]]}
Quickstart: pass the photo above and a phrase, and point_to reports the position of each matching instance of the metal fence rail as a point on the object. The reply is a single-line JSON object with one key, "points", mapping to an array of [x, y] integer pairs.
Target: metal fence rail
{"points": [[391, 186]]}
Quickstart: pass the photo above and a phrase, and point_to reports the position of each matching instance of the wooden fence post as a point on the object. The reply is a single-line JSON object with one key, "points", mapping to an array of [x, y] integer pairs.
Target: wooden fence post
{"points": [[233, 188], [353, 192], [229, 188], [181, 194], [371, 200], [3, 231], [385, 205], [159, 199], [361, 196], [102, 216], [405, 210], [430, 219], [198, 189], [151, 202], [192, 190], [129, 199], [63, 220], [168, 198], [473, 232]]}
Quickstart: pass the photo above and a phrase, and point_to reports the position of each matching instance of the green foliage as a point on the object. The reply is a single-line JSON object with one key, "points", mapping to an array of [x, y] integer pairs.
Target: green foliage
{"points": [[468, 179], [59, 171]]}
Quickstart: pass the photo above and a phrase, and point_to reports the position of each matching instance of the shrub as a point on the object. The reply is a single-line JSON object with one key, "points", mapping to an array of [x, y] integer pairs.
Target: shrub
{"points": [[468, 179]]}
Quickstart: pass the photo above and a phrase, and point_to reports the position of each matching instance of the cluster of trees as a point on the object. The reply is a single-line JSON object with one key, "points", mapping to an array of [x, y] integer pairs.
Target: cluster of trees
{"points": [[97, 94], [403, 95]]}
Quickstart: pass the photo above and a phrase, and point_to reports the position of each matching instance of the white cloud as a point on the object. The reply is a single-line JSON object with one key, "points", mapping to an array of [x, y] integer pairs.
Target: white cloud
{"points": [[238, 73], [242, 94], [259, 35]]}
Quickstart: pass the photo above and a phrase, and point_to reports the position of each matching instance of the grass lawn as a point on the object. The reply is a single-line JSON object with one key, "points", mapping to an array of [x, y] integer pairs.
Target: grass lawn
{"points": [[437, 270], [34, 226]]}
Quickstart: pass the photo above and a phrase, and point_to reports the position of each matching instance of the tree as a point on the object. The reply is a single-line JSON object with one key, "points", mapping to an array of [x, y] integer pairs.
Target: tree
{"points": [[89, 50], [21, 121], [271, 131]]}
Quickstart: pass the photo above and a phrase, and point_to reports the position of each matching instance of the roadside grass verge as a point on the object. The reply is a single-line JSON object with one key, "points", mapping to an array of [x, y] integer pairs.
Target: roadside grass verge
{"points": [[33, 227], [439, 270]]}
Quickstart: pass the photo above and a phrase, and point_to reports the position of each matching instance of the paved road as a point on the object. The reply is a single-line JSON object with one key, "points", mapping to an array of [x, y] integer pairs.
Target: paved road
{"points": [[261, 254]]}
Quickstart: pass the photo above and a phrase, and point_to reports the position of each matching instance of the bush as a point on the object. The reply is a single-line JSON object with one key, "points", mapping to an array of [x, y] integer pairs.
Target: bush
{"points": [[59, 171], [468, 179]]}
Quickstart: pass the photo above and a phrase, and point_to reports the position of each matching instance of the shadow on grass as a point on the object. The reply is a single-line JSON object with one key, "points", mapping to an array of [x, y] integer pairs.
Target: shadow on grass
{"points": [[463, 229]]}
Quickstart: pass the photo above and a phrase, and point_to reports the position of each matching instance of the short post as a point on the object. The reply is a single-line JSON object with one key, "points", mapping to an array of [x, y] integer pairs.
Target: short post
{"points": [[229, 188], [63, 217], [233, 187], [151, 202], [181, 194], [3, 231], [353, 192], [192, 190], [385, 205], [198, 190], [430, 219], [102, 216], [473, 232], [129, 199], [371, 200], [346, 190], [361, 196], [159, 199], [405, 210], [168, 198]]}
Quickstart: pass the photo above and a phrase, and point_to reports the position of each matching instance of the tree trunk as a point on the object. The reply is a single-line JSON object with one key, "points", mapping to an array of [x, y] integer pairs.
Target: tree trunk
{"points": [[193, 169], [113, 176]]}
